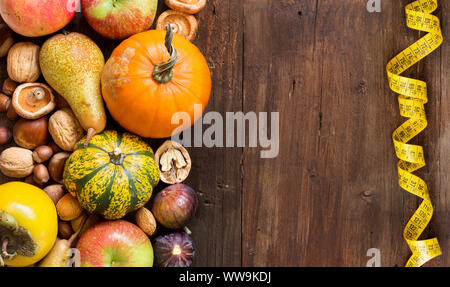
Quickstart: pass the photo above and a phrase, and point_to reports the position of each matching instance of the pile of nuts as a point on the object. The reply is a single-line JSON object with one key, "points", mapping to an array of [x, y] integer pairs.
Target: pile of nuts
{"points": [[44, 139], [45, 132]]}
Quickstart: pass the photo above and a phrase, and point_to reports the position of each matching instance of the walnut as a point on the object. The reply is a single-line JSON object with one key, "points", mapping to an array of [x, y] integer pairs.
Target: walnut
{"points": [[173, 161], [23, 62], [16, 162], [65, 129]]}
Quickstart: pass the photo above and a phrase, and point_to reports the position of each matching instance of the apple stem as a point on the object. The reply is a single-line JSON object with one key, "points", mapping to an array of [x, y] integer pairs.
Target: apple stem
{"points": [[90, 133], [187, 230]]}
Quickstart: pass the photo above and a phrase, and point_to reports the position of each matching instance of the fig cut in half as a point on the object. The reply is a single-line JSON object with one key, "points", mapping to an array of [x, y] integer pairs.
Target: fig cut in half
{"points": [[174, 250]]}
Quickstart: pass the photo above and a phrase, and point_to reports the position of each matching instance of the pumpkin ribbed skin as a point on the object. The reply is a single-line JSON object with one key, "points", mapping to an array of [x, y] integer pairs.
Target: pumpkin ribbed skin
{"points": [[128, 84], [114, 175]]}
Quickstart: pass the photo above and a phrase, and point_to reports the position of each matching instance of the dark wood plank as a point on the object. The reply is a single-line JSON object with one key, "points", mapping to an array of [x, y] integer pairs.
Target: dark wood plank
{"points": [[431, 71], [332, 193], [216, 173], [436, 138]]}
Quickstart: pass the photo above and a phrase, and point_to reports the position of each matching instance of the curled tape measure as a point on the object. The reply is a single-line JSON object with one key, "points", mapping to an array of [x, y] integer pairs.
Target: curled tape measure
{"points": [[412, 97]]}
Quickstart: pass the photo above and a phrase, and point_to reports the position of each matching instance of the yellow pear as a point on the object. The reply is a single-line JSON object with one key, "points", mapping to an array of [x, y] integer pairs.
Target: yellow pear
{"points": [[72, 65]]}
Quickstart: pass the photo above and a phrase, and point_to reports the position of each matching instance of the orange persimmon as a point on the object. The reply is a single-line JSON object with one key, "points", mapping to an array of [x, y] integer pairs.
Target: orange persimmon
{"points": [[150, 77]]}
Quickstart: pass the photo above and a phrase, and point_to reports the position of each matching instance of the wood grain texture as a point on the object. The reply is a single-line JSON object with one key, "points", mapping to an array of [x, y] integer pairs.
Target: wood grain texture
{"points": [[216, 172], [332, 192]]}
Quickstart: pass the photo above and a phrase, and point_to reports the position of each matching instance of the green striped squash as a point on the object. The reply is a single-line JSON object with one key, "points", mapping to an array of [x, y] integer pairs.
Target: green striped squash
{"points": [[114, 175]]}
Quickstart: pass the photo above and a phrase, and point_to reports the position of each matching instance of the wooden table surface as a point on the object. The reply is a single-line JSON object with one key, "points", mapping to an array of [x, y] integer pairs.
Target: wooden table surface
{"points": [[332, 192]]}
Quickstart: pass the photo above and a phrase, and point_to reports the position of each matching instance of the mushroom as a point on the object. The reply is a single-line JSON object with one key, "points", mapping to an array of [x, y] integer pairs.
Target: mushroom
{"points": [[173, 161], [183, 24], [33, 100], [187, 6]]}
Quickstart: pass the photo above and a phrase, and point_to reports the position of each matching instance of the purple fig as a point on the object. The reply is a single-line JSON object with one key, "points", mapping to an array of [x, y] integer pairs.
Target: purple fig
{"points": [[175, 205]]}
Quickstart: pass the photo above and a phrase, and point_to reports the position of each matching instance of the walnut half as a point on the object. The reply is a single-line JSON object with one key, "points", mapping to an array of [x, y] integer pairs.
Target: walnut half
{"points": [[173, 161]]}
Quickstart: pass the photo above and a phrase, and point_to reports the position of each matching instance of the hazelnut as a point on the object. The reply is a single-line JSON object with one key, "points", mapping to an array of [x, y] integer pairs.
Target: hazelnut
{"points": [[54, 148], [68, 208], [146, 221], [55, 192], [30, 180], [11, 112], [31, 133], [23, 62], [56, 166], [40, 174], [5, 101], [42, 153], [9, 86], [5, 135], [64, 229], [16, 162], [173, 161], [6, 39], [65, 129]]}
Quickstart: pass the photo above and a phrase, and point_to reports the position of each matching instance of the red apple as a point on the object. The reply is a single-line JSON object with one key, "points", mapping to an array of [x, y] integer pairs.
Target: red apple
{"points": [[118, 19], [116, 243], [38, 17]]}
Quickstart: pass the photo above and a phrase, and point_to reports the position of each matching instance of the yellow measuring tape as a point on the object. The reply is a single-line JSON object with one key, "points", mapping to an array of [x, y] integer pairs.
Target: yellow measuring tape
{"points": [[412, 97]]}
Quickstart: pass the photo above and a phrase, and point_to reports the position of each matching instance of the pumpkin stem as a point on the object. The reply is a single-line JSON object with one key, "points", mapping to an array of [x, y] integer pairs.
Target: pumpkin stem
{"points": [[163, 72], [117, 156]]}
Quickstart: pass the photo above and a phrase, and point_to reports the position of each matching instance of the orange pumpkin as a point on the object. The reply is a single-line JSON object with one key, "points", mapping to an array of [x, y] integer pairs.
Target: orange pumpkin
{"points": [[150, 77]]}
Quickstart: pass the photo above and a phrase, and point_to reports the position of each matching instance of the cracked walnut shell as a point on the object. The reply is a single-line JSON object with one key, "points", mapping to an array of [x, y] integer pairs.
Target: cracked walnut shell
{"points": [[173, 161]]}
